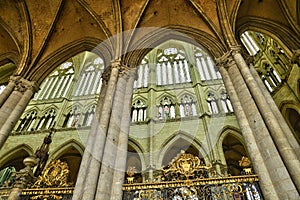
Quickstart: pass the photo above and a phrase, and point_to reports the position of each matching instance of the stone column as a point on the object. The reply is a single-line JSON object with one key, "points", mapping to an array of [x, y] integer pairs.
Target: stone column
{"points": [[256, 157], [22, 95], [8, 89], [86, 185], [270, 167], [9, 99], [286, 151], [280, 120], [121, 154], [105, 183]]}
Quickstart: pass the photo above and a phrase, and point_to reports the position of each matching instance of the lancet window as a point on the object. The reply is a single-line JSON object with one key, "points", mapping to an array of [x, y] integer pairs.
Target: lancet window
{"points": [[88, 116], [138, 111], [47, 121], [172, 67], [250, 43], [143, 73], [72, 118], [166, 109], [205, 66], [58, 83], [27, 123], [212, 102], [187, 106], [270, 77], [89, 81], [225, 102]]}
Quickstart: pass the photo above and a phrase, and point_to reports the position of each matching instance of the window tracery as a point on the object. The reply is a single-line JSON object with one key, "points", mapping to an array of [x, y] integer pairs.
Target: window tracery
{"points": [[58, 83], [225, 102], [90, 81], [166, 109], [205, 66], [47, 121], [187, 106], [28, 122], [138, 111], [270, 77], [143, 74], [89, 115], [212, 103], [172, 67], [72, 118]]}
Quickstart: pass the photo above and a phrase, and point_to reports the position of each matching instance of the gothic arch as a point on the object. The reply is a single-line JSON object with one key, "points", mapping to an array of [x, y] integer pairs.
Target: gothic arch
{"points": [[139, 150], [283, 35], [49, 64], [180, 137], [70, 152], [18, 153], [168, 95], [291, 113], [234, 133], [152, 37], [65, 146], [140, 97], [186, 92]]}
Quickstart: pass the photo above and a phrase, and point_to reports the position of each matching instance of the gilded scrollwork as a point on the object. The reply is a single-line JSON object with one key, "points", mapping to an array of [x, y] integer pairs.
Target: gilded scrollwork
{"points": [[54, 175], [186, 166]]}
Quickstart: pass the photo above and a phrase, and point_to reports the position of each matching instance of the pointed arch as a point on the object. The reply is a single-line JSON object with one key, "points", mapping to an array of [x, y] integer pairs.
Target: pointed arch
{"points": [[232, 147], [136, 159], [70, 152], [180, 141], [291, 113], [283, 35], [48, 64], [14, 157], [145, 39], [134, 144]]}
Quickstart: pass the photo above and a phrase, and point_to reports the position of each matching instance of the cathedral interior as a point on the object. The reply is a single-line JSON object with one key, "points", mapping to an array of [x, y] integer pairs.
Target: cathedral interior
{"points": [[149, 99]]}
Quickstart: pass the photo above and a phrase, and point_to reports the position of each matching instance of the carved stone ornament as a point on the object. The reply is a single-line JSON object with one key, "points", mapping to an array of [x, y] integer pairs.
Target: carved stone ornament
{"points": [[186, 166], [225, 61], [22, 85], [55, 175]]}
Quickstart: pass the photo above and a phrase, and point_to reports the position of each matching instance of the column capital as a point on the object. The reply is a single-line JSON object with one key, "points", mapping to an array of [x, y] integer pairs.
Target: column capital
{"points": [[225, 61], [22, 85], [14, 79], [235, 49], [116, 64], [296, 57]]}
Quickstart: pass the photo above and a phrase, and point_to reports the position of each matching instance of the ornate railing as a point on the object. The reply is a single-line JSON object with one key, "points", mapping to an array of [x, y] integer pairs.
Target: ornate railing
{"points": [[234, 187], [187, 178], [47, 193]]}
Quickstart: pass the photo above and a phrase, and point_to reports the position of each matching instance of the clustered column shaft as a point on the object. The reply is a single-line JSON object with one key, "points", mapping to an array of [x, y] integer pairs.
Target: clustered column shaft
{"points": [[95, 178], [276, 182], [286, 151], [14, 106]]}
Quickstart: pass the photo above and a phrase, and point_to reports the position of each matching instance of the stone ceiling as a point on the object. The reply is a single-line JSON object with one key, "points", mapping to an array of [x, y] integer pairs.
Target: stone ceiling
{"points": [[36, 34]]}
